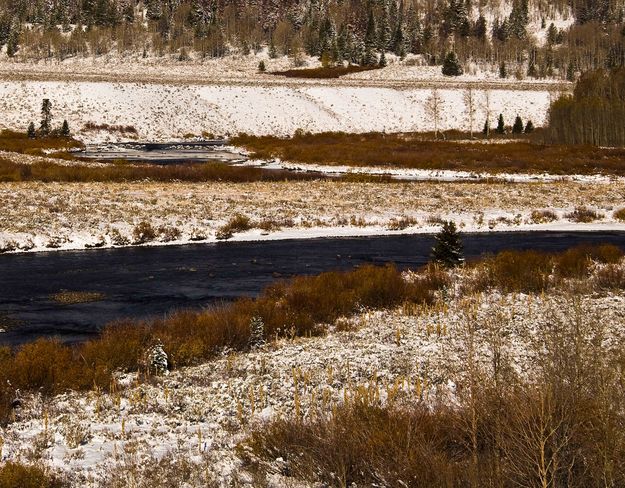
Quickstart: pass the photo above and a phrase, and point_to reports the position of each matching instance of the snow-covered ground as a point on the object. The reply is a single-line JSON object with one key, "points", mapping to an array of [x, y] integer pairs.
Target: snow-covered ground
{"points": [[43, 216], [268, 105], [201, 414]]}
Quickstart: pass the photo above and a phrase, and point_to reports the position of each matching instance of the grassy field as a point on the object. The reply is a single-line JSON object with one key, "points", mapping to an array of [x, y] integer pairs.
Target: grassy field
{"points": [[416, 151]]}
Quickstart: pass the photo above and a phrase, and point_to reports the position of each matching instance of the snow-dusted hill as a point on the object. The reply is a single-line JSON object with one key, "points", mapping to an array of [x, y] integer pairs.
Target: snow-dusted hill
{"points": [[160, 111]]}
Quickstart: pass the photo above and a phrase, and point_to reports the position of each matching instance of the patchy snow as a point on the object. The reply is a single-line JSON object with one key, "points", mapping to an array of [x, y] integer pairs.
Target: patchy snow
{"points": [[47, 216], [202, 413]]}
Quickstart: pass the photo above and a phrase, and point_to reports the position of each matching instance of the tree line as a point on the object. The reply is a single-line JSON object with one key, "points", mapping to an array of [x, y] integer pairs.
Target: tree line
{"points": [[595, 112], [337, 30]]}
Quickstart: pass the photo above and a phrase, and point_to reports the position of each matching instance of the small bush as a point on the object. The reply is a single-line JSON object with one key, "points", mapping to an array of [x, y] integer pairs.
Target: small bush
{"points": [[143, 232], [543, 216], [14, 475], [238, 223], [583, 215], [619, 214]]}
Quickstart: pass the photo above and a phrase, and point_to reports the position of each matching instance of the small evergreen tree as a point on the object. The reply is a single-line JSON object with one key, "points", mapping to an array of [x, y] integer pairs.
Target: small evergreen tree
{"points": [[503, 72], [31, 132], [273, 52], [448, 248], [257, 333], [529, 127], [501, 128], [451, 65], [570, 72], [65, 129], [157, 360], [486, 129], [517, 128], [46, 117], [382, 62], [261, 66]]}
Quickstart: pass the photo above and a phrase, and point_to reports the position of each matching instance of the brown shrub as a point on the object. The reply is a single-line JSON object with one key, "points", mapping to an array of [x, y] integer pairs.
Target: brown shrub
{"points": [[19, 142], [576, 262], [237, 223], [14, 475], [619, 214], [543, 216], [584, 215], [143, 232], [321, 72], [415, 150], [610, 277], [365, 445], [517, 271]]}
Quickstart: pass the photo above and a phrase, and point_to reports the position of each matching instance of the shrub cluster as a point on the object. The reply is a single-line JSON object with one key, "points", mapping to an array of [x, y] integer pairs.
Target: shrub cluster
{"points": [[298, 307], [414, 150]]}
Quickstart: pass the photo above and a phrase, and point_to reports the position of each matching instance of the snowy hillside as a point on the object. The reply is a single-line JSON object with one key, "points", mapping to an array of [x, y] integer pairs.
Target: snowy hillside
{"points": [[159, 111]]}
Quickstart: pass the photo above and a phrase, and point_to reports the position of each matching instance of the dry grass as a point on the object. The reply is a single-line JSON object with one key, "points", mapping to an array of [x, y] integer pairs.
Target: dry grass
{"points": [[20, 143], [73, 297], [415, 151], [121, 172], [620, 214], [317, 73], [584, 215], [15, 475]]}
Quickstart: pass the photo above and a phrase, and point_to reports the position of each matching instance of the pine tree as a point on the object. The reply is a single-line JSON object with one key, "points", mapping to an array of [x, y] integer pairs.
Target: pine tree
{"points": [[12, 44], [31, 132], [503, 72], [257, 333], [370, 59], [273, 52], [517, 128], [261, 66], [570, 72], [501, 128], [480, 28], [451, 65], [486, 129], [448, 248], [65, 129], [382, 62], [529, 127], [46, 117]]}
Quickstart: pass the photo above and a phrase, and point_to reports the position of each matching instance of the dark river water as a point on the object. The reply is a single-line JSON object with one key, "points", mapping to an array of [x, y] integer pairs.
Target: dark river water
{"points": [[150, 281]]}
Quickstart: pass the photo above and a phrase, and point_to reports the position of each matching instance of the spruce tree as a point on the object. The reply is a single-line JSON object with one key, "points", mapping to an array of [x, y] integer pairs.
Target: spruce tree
{"points": [[517, 128], [370, 59], [451, 65], [261, 66], [486, 129], [65, 129], [501, 128], [448, 248], [46, 117], [503, 72], [31, 132], [529, 127], [382, 62]]}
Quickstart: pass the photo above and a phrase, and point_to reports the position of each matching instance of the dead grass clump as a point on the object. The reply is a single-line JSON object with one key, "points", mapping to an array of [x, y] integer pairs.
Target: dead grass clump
{"points": [[577, 262], [15, 475], [610, 277], [619, 214], [401, 223], [321, 72], [543, 216], [72, 297], [168, 233], [363, 445], [584, 215], [143, 232], [237, 223]]}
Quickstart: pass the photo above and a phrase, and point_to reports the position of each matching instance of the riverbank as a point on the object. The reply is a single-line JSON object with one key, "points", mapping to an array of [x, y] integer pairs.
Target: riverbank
{"points": [[56, 216]]}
